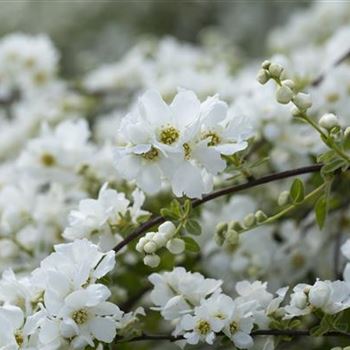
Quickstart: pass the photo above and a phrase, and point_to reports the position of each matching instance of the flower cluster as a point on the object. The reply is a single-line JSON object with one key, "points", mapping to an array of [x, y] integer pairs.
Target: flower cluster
{"points": [[164, 237], [62, 304], [182, 142]]}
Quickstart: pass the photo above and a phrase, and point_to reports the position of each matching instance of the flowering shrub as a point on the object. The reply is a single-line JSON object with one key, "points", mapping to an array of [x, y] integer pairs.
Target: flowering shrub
{"points": [[178, 198]]}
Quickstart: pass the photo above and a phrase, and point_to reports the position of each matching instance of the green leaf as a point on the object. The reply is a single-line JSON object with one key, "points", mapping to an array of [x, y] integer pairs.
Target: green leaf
{"points": [[193, 227], [168, 214], [187, 207], [297, 191], [321, 211], [334, 165], [191, 245]]}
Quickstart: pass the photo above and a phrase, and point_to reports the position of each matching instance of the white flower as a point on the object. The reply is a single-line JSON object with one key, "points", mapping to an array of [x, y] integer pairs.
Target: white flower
{"points": [[84, 316], [181, 143], [176, 292], [98, 219]]}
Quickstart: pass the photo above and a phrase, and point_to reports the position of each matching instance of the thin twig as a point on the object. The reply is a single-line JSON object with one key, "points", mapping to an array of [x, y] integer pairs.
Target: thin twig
{"points": [[261, 332], [157, 220]]}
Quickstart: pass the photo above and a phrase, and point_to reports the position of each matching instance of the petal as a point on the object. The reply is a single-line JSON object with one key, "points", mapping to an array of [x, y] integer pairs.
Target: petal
{"points": [[242, 340], [103, 329]]}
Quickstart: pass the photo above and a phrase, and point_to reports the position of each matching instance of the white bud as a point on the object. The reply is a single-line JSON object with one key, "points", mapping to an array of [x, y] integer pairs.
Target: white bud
{"points": [[151, 260], [141, 243], [263, 76], [319, 294], [176, 246], [260, 216], [283, 198], [232, 237], [150, 235], [168, 228], [160, 239], [275, 70], [300, 300], [347, 132], [249, 220], [302, 101], [266, 64], [328, 121], [284, 94], [150, 247], [289, 83]]}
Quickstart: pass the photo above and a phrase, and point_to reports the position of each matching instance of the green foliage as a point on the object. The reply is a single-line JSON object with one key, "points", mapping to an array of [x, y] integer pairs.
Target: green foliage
{"points": [[297, 192]]}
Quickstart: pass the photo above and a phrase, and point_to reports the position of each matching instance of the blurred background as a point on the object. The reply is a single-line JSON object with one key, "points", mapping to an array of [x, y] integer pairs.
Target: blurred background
{"points": [[90, 32]]}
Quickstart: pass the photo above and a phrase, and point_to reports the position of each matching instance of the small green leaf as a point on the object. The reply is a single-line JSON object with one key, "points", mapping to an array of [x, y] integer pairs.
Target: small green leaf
{"points": [[168, 214], [191, 245], [187, 206], [193, 227], [297, 191], [334, 165], [321, 211], [326, 157]]}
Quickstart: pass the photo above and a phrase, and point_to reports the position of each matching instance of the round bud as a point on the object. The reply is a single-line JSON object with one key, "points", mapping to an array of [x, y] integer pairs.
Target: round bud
{"points": [[176, 246], [347, 132], [260, 216], [263, 76], [141, 243], [150, 247], [150, 235], [236, 225], [151, 260], [160, 239], [319, 294], [284, 94], [283, 198], [302, 101], [168, 228], [221, 229], [275, 70], [289, 83], [328, 121], [232, 237], [266, 64], [249, 220]]}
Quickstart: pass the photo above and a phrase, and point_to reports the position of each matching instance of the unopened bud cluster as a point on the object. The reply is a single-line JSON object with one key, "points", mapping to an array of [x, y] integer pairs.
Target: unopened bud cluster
{"points": [[227, 233], [153, 241], [286, 91]]}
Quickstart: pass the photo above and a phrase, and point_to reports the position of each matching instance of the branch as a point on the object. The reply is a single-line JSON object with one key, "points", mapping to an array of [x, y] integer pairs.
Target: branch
{"points": [[157, 220], [260, 332], [340, 60]]}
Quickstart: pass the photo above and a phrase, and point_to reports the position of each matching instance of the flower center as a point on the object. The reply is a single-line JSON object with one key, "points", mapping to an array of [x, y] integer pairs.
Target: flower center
{"points": [[187, 150], [203, 327], [333, 97], [233, 327], [169, 135], [214, 138], [80, 316], [19, 338], [298, 261], [48, 160], [151, 154]]}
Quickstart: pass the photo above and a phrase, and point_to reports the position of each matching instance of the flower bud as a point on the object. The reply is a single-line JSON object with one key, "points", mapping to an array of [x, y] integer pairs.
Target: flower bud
{"points": [[236, 225], [151, 260], [249, 220], [140, 244], [283, 198], [263, 76], [289, 83], [328, 121], [232, 238], [275, 70], [150, 247], [160, 239], [168, 228], [284, 94], [302, 101], [266, 64], [260, 216], [176, 246], [347, 132], [319, 294]]}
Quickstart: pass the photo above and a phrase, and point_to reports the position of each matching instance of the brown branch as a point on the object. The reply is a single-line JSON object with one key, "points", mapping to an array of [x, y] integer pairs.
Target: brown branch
{"points": [[340, 60], [260, 332], [157, 220]]}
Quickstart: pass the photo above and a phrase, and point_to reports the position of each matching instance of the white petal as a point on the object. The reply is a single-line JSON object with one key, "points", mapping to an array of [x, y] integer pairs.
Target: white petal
{"points": [[103, 329]]}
